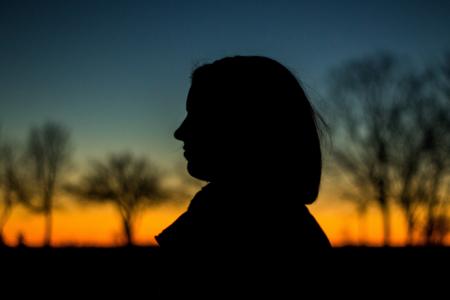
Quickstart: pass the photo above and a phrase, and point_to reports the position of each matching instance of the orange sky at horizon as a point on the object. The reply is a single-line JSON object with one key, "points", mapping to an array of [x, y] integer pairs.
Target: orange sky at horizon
{"points": [[99, 225]]}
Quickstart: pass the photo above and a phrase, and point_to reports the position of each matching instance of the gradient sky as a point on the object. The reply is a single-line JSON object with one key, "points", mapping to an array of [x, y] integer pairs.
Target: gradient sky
{"points": [[117, 72]]}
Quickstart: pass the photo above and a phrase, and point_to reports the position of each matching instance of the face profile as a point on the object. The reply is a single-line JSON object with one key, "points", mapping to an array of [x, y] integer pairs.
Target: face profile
{"points": [[201, 137], [248, 119]]}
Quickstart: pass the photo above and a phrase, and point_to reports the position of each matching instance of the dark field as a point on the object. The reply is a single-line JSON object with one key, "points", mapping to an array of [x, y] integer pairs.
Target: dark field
{"points": [[137, 270]]}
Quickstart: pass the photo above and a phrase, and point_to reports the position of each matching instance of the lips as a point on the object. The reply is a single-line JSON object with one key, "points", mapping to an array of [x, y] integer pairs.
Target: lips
{"points": [[186, 153]]}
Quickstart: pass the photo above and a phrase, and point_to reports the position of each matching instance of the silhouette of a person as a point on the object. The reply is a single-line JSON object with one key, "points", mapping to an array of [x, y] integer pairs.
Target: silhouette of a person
{"points": [[251, 133]]}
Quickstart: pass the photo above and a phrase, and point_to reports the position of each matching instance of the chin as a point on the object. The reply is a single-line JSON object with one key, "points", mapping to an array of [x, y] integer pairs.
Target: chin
{"points": [[198, 172]]}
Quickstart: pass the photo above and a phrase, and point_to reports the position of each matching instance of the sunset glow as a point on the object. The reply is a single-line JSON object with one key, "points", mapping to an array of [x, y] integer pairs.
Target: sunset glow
{"points": [[99, 225]]}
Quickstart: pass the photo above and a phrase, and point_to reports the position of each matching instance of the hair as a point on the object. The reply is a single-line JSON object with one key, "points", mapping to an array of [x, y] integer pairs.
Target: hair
{"points": [[263, 98]]}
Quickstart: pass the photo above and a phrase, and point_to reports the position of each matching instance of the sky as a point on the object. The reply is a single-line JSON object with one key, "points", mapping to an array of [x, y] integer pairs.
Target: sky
{"points": [[116, 73]]}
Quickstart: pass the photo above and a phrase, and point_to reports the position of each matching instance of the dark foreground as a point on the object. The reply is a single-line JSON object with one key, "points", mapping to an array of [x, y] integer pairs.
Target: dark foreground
{"points": [[138, 270]]}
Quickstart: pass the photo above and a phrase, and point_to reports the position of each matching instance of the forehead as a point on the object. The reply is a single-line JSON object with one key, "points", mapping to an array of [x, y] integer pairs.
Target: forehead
{"points": [[203, 96]]}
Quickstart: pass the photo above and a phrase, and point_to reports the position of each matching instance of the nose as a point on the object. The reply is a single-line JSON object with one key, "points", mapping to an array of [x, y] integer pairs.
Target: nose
{"points": [[179, 134]]}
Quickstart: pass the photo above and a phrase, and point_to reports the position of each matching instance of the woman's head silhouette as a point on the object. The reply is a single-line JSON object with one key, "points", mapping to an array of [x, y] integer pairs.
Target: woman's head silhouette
{"points": [[249, 121]]}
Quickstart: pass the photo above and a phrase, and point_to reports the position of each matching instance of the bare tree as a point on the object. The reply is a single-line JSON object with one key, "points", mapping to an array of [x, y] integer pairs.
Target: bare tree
{"points": [[11, 183], [392, 139], [362, 95], [47, 154], [127, 182], [421, 141], [436, 181]]}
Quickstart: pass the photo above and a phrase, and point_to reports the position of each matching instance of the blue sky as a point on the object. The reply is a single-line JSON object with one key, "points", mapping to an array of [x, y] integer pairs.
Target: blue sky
{"points": [[117, 72]]}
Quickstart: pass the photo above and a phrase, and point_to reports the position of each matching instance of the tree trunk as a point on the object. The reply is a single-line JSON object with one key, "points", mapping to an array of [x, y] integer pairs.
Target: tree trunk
{"points": [[409, 216], [410, 232], [430, 224], [128, 231], [362, 228], [48, 228], [386, 225]]}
